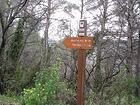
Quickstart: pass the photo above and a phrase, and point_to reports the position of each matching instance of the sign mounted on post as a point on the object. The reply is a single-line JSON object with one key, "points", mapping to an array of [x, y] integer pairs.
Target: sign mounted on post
{"points": [[78, 42], [82, 27], [82, 43]]}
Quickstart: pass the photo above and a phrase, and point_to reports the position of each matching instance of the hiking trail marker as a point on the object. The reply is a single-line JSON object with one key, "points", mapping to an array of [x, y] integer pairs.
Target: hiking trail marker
{"points": [[78, 42], [82, 43]]}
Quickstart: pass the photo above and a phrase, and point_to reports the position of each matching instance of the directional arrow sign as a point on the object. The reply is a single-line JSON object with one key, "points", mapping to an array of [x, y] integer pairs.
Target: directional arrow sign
{"points": [[78, 42]]}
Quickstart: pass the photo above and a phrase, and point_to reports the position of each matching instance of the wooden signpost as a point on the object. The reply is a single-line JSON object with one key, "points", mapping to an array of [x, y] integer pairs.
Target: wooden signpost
{"points": [[78, 42], [82, 43]]}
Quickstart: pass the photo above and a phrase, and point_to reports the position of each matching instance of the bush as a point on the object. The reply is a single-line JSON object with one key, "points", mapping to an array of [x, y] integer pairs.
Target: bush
{"points": [[4, 100], [48, 89], [115, 92]]}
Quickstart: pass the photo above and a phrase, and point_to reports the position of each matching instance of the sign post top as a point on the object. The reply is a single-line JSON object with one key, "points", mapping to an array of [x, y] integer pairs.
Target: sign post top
{"points": [[83, 24], [82, 28], [83, 20]]}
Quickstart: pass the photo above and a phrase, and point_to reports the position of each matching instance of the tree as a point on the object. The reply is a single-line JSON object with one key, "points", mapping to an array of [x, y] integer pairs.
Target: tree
{"points": [[137, 90], [16, 42], [45, 42], [6, 21], [52, 6], [9, 16]]}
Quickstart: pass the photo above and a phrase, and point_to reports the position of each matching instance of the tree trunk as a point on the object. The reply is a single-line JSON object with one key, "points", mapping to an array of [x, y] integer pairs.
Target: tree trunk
{"points": [[137, 90], [100, 40], [98, 77], [45, 44], [129, 38], [2, 49], [129, 43], [137, 73]]}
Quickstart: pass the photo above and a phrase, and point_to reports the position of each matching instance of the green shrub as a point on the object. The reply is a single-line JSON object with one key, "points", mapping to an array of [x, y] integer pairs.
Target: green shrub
{"points": [[48, 89], [4, 100], [115, 92]]}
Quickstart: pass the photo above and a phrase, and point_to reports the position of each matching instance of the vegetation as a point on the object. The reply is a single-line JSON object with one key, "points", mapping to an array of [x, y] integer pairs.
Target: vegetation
{"points": [[4, 100], [36, 68], [48, 89]]}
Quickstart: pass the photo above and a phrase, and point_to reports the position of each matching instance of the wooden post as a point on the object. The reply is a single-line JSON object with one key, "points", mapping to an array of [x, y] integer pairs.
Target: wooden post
{"points": [[82, 43], [81, 76], [81, 65]]}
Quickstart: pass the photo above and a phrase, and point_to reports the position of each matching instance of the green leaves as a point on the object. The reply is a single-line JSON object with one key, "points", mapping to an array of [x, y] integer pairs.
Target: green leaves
{"points": [[47, 90], [16, 41]]}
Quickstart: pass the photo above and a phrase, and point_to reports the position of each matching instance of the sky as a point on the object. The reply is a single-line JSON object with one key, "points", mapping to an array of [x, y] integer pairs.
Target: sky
{"points": [[74, 22]]}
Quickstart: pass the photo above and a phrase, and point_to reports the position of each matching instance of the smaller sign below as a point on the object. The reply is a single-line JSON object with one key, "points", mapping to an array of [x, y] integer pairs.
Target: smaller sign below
{"points": [[78, 42], [82, 30], [81, 34]]}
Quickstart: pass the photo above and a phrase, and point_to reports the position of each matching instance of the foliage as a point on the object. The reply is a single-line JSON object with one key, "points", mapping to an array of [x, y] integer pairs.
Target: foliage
{"points": [[48, 89], [4, 100], [21, 78], [97, 80], [16, 41], [111, 28], [115, 93]]}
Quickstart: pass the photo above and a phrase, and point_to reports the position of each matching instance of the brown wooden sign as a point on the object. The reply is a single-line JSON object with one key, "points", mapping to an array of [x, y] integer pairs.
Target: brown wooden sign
{"points": [[82, 43], [78, 42]]}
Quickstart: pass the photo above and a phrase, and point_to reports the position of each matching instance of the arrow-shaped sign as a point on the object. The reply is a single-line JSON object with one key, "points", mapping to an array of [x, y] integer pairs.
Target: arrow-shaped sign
{"points": [[78, 42]]}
